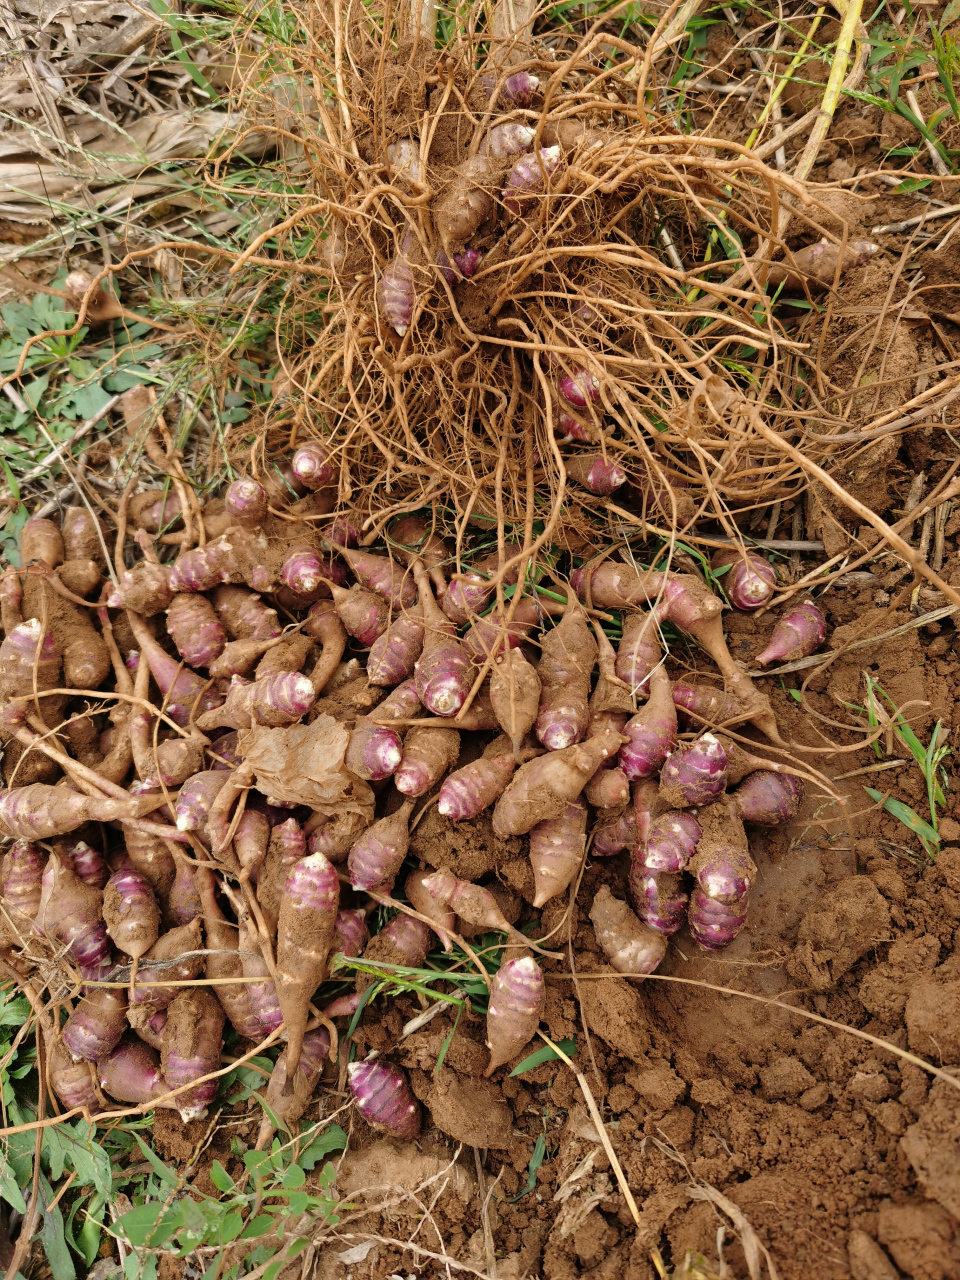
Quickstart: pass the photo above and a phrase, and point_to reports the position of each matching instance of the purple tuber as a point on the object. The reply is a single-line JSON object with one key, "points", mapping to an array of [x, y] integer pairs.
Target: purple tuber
{"points": [[350, 932], [767, 798], [528, 178], [96, 1025], [652, 732], [517, 999], [312, 465], [473, 787], [556, 851], [694, 774], [384, 1099], [422, 900], [639, 651], [427, 755], [595, 473], [750, 581], [131, 1073], [377, 856], [659, 899], [131, 913], [191, 1048], [580, 388], [715, 924], [393, 656], [246, 502], [672, 841], [799, 632]]}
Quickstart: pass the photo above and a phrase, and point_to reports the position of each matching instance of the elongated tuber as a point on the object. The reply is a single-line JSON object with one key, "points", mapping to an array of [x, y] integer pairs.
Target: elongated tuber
{"points": [[131, 913], [192, 1044], [569, 654], [543, 788], [517, 999], [308, 912], [377, 856], [556, 851], [427, 755], [96, 1024], [515, 694]]}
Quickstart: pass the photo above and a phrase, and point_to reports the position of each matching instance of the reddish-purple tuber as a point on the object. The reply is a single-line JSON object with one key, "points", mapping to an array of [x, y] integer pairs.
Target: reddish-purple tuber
{"points": [[384, 1098], [517, 998], [767, 798], [312, 465], [672, 841], [798, 633], [695, 773]]}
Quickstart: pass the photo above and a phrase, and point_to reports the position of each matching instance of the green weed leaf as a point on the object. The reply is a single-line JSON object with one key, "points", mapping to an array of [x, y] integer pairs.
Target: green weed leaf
{"points": [[546, 1054]]}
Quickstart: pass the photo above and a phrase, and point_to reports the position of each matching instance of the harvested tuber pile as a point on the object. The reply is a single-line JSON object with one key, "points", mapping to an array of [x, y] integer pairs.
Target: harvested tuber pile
{"points": [[281, 708]]}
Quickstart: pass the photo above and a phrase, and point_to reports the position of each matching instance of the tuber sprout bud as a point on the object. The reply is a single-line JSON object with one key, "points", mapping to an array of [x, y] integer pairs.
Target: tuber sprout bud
{"points": [[595, 473], [312, 465], [695, 773], [749, 582], [580, 389], [767, 798], [246, 501], [528, 177], [798, 633], [384, 1098]]}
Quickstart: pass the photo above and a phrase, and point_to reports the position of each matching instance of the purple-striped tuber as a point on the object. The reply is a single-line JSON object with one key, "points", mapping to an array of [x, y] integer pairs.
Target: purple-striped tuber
{"points": [[384, 1099], [799, 632], [517, 999]]}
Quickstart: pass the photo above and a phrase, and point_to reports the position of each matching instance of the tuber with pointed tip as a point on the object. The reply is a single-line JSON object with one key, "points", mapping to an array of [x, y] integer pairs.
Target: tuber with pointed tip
{"points": [[464, 203], [195, 629], [569, 654], [224, 962], [145, 589], [191, 1048], [543, 788], [38, 811], [384, 1099], [421, 899], [364, 614], [799, 633], [308, 913], [378, 574], [183, 690], [517, 999], [703, 703], [750, 581], [131, 913], [652, 733], [427, 755], [276, 699], [515, 690], [444, 673], [556, 851], [96, 1024], [250, 839], [183, 901], [196, 798], [377, 856], [631, 946], [672, 841], [475, 786], [723, 867], [767, 798], [694, 774], [475, 905], [473, 589], [595, 473]]}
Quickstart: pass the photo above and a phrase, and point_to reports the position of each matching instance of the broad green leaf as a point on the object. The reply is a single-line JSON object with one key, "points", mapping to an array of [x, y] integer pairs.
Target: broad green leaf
{"points": [[89, 1236], [272, 1116], [546, 1054], [34, 391], [293, 1179], [258, 1226], [950, 14], [52, 1236], [220, 1178], [332, 1139], [232, 1226], [140, 1224], [9, 1189]]}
